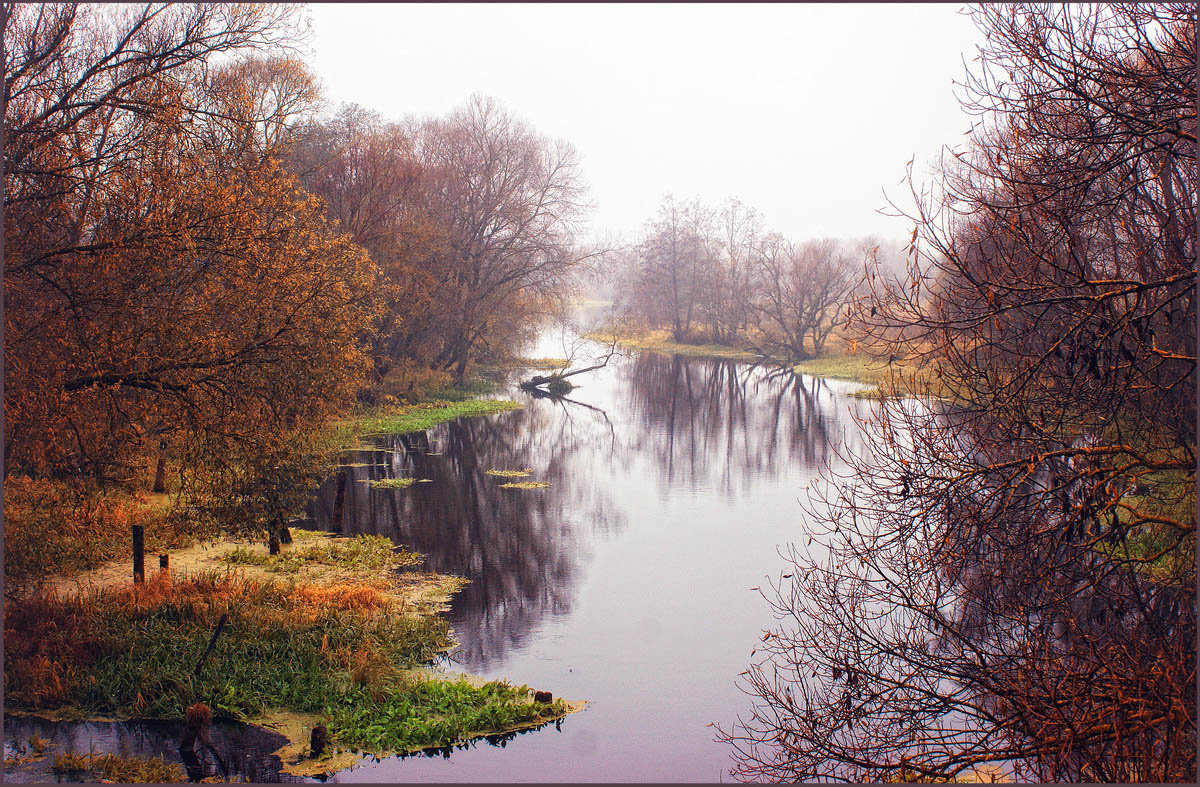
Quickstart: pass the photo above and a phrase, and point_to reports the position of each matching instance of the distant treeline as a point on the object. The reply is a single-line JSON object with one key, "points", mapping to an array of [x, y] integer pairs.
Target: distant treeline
{"points": [[718, 275]]}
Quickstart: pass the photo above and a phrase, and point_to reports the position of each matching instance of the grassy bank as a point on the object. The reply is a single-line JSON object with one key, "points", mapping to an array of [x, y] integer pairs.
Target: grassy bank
{"points": [[1159, 551], [54, 527], [660, 341], [838, 361], [901, 376], [328, 632], [859, 368], [398, 419]]}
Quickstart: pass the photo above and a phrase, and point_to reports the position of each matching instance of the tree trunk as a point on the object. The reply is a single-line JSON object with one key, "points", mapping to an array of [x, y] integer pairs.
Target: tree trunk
{"points": [[160, 470]]}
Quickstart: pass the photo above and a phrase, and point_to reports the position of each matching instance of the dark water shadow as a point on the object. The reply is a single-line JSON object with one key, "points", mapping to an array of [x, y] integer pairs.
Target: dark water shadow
{"points": [[235, 752]]}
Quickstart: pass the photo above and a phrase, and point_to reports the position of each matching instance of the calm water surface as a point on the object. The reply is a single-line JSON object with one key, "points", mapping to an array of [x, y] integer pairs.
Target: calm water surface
{"points": [[629, 582]]}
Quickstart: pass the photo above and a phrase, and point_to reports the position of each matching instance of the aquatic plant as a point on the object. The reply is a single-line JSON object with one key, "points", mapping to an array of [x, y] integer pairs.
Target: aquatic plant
{"points": [[525, 485], [510, 473], [397, 483], [402, 721]]}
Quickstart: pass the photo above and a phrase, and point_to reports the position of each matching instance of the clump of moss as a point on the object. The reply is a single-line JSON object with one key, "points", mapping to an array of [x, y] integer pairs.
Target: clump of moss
{"points": [[510, 473], [525, 485], [120, 768]]}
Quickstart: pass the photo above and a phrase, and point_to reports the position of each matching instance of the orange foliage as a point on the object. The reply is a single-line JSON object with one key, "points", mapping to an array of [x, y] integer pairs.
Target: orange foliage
{"points": [[175, 282], [201, 598], [58, 526]]}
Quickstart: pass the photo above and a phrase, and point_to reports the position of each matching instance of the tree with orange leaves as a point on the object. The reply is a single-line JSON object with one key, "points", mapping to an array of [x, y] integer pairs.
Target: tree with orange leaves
{"points": [[164, 275]]}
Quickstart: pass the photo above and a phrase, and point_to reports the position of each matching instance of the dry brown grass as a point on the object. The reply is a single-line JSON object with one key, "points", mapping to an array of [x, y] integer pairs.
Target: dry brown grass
{"points": [[313, 599], [54, 528], [201, 597], [120, 768]]}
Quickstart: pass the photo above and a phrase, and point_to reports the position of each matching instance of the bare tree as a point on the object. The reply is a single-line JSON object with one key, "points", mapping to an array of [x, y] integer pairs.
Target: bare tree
{"points": [[367, 174], [1010, 578], [510, 202], [726, 299], [675, 261], [802, 293]]}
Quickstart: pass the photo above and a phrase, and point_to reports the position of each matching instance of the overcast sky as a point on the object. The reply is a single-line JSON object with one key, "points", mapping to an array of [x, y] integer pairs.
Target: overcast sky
{"points": [[804, 112]]}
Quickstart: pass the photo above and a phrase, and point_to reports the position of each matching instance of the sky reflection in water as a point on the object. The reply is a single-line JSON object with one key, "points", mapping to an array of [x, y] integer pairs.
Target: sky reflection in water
{"points": [[627, 582]]}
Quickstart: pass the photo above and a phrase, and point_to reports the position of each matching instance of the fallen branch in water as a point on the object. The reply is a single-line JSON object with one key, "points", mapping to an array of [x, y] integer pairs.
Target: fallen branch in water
{"points": [[556, 384]]}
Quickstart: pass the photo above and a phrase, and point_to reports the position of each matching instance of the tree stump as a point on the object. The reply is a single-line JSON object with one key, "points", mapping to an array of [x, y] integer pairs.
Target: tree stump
{"points": [[316, 743], [195, 726]]}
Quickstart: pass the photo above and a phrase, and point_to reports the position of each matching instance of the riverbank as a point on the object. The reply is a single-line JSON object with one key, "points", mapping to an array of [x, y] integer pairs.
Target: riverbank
{"points": [[840, 360], [57, 528], [660, 341], [327, 632], [331, 631]]}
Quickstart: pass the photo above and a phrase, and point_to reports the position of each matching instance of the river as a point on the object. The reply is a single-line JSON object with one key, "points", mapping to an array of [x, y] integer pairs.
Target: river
{"points": [[631, 581]]}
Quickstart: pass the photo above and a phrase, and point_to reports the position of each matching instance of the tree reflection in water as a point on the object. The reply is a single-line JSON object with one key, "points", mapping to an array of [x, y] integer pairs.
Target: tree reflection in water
{"points": [[957, 620], [725, 424], [520, 549], [701, 423]]}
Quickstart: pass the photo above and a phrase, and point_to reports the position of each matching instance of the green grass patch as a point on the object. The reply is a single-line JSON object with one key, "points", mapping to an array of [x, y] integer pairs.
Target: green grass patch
{"points": [[403, 419], [1155, 552], [468, 389], [366, 553], [342, 652], [1160, 551], [544, 364], [907, 377], [441, 710], [859, 368]]}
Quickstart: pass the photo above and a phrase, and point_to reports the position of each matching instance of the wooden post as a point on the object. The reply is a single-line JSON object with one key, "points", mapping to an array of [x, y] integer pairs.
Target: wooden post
{"points": [[139, 554], [163, 562]]}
